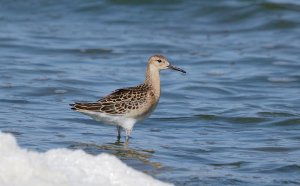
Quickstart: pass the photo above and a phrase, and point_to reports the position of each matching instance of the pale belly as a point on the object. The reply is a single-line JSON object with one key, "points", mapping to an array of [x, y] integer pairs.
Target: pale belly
{"points": [[117, 120]]}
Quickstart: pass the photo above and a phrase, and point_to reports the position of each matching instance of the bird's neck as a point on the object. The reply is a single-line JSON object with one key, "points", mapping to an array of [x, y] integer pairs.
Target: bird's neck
{"points": [[153, 80]]}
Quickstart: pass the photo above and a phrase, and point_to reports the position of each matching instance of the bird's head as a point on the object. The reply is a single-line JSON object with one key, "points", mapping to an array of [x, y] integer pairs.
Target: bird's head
{"points": [[160, 62]]}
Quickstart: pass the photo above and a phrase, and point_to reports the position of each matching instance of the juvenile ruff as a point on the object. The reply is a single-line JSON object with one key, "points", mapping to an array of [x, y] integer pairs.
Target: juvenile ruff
{"points": [[126, 106]]}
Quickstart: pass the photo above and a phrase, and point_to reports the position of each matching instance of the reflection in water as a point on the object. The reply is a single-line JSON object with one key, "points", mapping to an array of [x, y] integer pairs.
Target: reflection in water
{"points": [[121, 150]]}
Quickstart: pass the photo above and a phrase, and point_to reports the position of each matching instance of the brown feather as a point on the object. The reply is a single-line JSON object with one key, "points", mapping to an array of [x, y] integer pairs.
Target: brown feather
{"points": [[120, 101]]}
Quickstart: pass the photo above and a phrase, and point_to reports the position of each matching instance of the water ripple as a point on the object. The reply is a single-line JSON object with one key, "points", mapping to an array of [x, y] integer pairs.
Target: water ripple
{"points": [[233, 119]]}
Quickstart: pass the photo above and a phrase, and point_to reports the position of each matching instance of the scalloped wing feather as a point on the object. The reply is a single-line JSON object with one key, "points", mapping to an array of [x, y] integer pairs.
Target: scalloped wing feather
{"points": [[118, 102]]}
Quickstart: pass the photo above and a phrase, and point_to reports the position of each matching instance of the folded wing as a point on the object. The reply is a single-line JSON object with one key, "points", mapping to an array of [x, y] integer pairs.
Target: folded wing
{"points": [[118, 102]]}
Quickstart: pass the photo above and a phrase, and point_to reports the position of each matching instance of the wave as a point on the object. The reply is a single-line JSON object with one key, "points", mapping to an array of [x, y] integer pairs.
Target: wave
{"points": [[64, 167]]}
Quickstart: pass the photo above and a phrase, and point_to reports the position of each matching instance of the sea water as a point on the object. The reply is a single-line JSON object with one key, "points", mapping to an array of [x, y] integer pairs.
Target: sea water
{"points": [[234, 119]]}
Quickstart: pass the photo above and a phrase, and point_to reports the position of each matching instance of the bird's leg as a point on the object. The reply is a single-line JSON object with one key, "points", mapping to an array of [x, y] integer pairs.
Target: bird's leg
{"points": [[119, 128], [128, 132]]}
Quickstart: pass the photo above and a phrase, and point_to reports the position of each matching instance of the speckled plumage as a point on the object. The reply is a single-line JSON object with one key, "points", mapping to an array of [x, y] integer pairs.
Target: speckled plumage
{"points": [[125, 106], [121, 101]]}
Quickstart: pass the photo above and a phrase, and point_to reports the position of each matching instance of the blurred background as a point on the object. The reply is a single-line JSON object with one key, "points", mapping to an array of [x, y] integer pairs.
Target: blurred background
{"points": [[232, 120]]}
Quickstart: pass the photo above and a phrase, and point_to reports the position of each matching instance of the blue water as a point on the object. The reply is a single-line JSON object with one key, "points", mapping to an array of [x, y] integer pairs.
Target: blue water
{"points": [[234, 119]]}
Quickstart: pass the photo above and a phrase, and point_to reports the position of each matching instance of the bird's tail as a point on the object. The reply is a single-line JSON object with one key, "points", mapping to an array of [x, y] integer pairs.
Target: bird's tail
{"points": [[85, 106]]}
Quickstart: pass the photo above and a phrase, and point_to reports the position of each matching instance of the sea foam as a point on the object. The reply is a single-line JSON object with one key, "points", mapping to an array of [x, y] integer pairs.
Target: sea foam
{"points": [[63, 167]]}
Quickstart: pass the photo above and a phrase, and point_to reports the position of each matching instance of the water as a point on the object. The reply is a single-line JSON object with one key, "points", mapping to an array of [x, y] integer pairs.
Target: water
{"points": [[232, 120]]}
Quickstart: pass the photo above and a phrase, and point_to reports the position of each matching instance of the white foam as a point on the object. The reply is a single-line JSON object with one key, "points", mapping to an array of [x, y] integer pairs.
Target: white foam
{"points": [[63, 167], [283, 63], [281, 79], [216, 72], [293, 2]]}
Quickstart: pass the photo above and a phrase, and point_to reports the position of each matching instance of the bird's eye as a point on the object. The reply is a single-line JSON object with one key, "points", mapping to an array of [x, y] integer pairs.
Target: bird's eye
{"points": [[159, 61]]}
